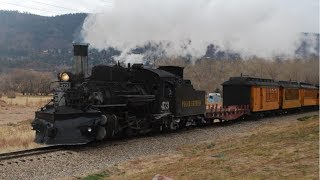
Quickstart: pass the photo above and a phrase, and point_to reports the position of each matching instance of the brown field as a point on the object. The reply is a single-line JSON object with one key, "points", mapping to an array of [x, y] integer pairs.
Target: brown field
{"points": [[27, 101], [21, 108], [288, 151], [16, 136], [15, 117]]}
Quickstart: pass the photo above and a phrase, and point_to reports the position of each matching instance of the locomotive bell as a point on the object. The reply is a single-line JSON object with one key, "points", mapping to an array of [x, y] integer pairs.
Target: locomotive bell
{"points": [[80, 51]]}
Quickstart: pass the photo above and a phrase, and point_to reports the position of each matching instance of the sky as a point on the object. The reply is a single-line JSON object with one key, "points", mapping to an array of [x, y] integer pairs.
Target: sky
{"points": [[56, 7]]}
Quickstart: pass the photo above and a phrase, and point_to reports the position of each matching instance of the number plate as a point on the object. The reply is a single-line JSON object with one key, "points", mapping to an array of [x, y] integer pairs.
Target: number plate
{"points": [[65, 85], [165, 105]]}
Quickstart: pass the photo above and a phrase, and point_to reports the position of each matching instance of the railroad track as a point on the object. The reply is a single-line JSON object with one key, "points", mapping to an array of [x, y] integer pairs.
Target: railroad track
{"points": [[30, 152]]}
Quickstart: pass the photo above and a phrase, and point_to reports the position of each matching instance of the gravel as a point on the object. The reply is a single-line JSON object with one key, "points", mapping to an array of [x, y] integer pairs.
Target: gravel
{"points": [[87, 160]]}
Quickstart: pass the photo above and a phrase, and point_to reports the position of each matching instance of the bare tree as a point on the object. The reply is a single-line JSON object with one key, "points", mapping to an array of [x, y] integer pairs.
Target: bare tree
{"points": [[27, 82], [209, 74]]}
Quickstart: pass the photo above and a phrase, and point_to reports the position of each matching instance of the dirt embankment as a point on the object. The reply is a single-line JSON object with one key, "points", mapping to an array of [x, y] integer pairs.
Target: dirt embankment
{"points": [[284, 151]]}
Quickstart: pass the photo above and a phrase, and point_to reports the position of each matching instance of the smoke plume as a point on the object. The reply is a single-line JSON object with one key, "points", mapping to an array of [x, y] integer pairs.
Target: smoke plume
{"points": [[186, 27]]}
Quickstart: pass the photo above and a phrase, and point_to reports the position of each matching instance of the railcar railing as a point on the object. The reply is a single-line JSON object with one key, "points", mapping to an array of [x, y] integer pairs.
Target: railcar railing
{"points": [[227, 112]]}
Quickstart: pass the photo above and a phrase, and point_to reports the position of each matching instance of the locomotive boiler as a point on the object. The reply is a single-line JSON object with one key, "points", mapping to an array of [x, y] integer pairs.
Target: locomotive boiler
{"points": [[115, 101]]}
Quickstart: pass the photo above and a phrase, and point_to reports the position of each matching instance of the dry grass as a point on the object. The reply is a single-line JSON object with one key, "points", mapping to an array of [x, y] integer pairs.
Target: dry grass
{"points": [[15, 131], [16, 137], [286, 151], [27, 101]]}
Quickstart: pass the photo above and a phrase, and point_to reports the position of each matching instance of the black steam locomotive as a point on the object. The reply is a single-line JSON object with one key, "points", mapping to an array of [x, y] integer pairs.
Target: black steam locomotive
{"points": [[116, 101]]}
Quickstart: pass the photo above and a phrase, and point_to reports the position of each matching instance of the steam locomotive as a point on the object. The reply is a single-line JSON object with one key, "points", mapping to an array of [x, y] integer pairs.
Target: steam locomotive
{"points": [[116, 101]]}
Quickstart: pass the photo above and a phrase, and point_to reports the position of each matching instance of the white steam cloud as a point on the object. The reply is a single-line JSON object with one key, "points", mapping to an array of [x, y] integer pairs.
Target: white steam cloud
{"points": [[186, 27]]}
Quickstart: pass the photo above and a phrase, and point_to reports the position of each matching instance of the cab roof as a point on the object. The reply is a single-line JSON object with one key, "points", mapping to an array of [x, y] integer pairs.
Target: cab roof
{"points": [[308, 85], [249, 81], [289, 84], [161, 73]]}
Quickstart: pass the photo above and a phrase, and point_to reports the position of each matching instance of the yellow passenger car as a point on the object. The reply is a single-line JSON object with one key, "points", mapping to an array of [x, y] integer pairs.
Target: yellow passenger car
{"points": [[317, 87], [264, 98], [260, 94], [309, 94], [290, 95]]}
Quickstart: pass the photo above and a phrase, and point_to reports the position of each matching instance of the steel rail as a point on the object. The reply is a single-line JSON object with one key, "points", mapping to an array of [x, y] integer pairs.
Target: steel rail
{"points": [[29, 152]]}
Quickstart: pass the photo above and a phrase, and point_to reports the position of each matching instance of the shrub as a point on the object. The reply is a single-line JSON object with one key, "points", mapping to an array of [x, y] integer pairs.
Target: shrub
{"points": [[11, 94]]}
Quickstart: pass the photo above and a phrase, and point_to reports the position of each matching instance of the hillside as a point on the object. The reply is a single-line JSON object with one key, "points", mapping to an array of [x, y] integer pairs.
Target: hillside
{"points": [[22, 33], [36, 42]]}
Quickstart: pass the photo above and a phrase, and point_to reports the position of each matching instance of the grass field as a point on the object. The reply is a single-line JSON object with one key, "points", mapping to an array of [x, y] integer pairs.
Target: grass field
{"points": [[29, 101], [16, 136], [16, 115], [287, 151]]}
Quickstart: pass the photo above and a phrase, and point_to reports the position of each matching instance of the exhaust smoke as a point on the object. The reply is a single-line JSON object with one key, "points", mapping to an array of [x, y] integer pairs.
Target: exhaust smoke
{"points": [[263, 28]]}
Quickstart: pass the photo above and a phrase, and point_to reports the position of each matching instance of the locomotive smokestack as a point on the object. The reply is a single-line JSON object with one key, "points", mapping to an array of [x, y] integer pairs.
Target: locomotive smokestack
{"points": [[80, 52]]}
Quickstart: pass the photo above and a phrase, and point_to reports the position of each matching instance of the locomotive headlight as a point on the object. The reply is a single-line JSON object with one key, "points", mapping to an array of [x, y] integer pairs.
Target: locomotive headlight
{"points": [[89, 129], [64, 76]]}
